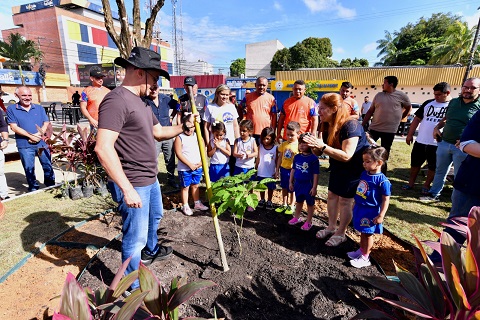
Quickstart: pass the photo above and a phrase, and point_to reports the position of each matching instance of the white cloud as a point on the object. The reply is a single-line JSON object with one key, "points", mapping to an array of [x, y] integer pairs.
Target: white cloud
{"points": [[277, 6], [472, 20], [369, 47], [339, 50], [204, 39], [6, 20], [330, 5]]}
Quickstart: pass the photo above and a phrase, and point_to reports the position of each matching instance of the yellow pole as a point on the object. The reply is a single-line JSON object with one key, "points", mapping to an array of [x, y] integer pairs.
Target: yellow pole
{"points": [[207, 182]]}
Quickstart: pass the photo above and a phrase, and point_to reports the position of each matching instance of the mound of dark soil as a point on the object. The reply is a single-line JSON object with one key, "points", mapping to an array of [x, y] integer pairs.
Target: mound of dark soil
{"points": [[277, 272]]}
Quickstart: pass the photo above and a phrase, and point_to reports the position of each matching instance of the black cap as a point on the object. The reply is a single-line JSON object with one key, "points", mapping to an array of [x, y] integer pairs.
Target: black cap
{"points": [[189, 81], [143, 58], [97, 73]]}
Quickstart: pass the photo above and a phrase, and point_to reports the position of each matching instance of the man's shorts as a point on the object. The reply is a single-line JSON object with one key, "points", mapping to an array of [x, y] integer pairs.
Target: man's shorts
{"points": [[270, 185], [422, 152], [285, 178], [218, 171], [190, 177], [363, 219]]}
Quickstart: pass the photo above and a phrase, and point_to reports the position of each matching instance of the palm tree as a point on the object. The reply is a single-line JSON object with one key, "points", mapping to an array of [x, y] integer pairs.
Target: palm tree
{"points": [[19, 52], [456, 45], [388, 49]]}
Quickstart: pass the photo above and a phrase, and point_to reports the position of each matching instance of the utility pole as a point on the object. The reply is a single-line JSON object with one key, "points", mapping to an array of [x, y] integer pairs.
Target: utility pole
{"points": [[472, 52]]}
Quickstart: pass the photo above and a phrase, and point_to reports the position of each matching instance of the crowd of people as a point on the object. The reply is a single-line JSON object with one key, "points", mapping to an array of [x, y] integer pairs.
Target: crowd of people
{"points": [[283, 143]]}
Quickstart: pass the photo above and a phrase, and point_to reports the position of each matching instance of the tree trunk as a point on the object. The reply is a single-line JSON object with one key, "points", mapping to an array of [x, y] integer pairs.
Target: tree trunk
{"points": [[130, 37], [21, 74]]}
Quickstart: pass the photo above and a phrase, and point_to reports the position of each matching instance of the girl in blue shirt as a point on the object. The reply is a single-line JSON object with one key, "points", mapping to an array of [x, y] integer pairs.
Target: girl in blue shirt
{"points": [[371, 203]]}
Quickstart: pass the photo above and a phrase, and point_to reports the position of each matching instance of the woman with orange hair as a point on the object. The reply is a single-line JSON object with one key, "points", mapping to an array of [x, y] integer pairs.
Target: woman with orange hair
{"points": [[344, 143]]}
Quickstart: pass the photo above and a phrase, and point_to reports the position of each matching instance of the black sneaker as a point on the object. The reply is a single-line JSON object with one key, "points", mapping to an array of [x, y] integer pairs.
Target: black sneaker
{"points": [[162, 253], [261, 204], [430, 198], [269, 205]]}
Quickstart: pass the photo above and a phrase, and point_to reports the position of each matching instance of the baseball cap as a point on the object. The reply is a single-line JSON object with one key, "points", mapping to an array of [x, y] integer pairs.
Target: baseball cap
{"points": [[143, 58], [190, 81], [96, 73]]}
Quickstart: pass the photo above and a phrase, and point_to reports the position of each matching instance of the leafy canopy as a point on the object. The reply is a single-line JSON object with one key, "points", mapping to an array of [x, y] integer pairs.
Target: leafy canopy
{"points": [[237, 67], [415, 43]]}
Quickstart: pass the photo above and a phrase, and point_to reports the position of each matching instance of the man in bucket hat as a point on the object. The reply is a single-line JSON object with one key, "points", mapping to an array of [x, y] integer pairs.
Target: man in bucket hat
{"points": [[126, 149]]}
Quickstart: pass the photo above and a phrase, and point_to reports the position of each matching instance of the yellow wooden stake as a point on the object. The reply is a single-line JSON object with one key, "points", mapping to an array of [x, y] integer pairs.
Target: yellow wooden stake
{"points": [[207, 182]]}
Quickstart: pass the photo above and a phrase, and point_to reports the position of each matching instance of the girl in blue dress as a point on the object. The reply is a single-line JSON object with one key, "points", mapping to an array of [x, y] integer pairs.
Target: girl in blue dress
{"points": [[371, 203]]}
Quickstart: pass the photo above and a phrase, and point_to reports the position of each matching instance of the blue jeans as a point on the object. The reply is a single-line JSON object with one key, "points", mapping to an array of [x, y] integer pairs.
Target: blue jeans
{"points": [[27, 156], [140, 225], [446, 153]]}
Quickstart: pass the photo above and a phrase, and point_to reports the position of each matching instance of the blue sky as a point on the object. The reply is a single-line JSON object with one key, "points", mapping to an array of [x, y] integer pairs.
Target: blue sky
{"points": [[217, 31]]}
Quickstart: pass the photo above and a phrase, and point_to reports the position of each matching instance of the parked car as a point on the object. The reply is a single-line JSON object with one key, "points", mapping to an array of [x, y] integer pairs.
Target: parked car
{"points": [[410, 117], [9, 98]]}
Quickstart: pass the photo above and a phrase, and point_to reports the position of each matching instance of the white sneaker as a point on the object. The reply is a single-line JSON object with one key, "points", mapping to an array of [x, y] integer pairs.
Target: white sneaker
{"points": [[186, 210], [360, 262], [200, 206]]}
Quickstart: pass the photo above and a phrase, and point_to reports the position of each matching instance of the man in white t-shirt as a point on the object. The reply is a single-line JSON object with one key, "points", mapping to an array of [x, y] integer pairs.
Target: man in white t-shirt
{"points": [[425, 146]]}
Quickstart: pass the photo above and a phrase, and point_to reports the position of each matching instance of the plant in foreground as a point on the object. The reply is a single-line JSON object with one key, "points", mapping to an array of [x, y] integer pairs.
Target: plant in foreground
{"points": [[150, 301], [452, 293], [235, 194]]}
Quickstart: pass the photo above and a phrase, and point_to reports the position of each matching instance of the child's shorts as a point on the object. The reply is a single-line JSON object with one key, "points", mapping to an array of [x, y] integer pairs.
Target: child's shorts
{"points": [[218, 171], [270, 185], [190, 177], [300, 197], [239, 170], [285, 178], [363, 219]]}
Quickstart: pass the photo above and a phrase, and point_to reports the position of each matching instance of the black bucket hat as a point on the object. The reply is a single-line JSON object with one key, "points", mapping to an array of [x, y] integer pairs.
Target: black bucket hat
{"points": [[143, 58]]}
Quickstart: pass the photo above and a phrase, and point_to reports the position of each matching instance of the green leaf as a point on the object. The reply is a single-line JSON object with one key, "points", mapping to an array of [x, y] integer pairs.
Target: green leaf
{"points": [[132, 303], [415, 288], [260, 187], [185, 292], [125, 283], [252, 200], [451, 256], [148, 282], [435, 293], [407, 306], [223, 207]]}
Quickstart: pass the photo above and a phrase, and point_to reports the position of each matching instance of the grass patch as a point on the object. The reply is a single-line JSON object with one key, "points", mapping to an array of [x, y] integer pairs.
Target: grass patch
{"points": [[34, 219]]}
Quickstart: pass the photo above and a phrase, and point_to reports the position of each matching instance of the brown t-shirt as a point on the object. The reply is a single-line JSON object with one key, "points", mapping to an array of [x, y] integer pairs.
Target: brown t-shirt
{"points": [[388, 110], [124, 112]]}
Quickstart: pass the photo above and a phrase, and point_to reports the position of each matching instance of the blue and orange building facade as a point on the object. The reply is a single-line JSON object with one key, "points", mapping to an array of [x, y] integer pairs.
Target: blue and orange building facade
{"points": [[72, 33]]}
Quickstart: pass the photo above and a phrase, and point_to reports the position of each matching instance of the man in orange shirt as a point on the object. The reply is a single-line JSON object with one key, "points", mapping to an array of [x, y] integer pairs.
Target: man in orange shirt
{"points": [[92, 96], [346, 92], [299, 108], [261, 108]]}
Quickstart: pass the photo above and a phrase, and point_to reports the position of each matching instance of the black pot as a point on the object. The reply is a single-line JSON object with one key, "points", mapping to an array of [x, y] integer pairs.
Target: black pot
{"points": [[88, 191], [102, 190], [76, 193]]}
